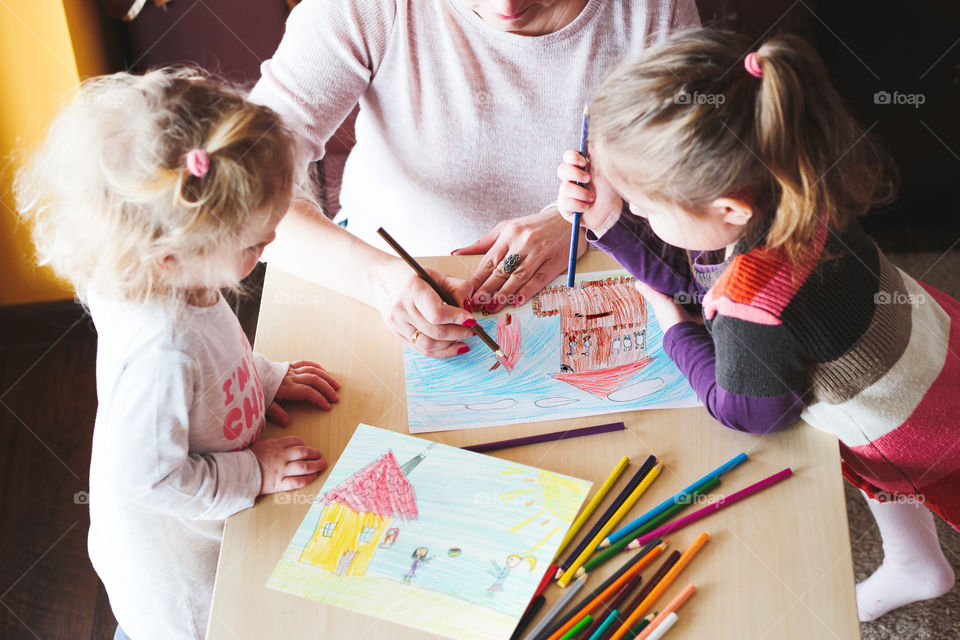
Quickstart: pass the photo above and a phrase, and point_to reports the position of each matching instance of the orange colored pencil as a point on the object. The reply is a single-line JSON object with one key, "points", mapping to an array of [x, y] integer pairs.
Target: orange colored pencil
{"points": [[661, 587], [675, 604], [606, 593]]}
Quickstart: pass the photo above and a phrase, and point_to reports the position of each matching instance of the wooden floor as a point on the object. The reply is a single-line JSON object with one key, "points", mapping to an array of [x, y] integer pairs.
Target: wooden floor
{"points": [[48, 589]]}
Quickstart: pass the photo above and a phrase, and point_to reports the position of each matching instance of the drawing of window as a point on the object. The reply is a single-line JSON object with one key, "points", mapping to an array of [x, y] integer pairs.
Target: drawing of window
{"points": [[328, 528], [366, 534]]}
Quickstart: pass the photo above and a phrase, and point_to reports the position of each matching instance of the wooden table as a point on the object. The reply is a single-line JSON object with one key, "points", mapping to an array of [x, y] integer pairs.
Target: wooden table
{"points": [[778, 565]]}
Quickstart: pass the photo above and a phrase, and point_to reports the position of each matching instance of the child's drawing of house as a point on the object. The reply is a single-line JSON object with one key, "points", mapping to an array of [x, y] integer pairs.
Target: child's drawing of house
{"points": [[603, 328], [358, 512]]}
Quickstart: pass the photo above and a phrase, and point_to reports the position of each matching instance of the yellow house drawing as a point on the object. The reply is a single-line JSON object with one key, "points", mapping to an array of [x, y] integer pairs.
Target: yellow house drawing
{"points": [[357, 513]]}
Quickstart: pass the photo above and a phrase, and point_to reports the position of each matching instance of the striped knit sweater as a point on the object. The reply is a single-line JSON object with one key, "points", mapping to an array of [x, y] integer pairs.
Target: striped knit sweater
{"points": [[845, 341]]}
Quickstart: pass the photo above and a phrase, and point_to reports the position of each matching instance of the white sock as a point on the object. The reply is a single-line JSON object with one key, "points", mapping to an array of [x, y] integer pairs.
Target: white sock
{"points": [[914, 567]]}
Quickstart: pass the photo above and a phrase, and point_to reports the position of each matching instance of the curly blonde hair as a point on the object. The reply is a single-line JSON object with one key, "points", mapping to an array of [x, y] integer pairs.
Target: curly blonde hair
{"points": [[685, 123], [109, 195]]}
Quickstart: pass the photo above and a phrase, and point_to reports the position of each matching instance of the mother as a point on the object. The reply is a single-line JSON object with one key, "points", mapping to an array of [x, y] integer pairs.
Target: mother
{"points": [[465, 106]]}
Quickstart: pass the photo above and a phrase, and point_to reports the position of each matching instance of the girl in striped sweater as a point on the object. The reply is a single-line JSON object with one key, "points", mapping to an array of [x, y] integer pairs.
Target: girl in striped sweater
{"points": [[744, 176]]}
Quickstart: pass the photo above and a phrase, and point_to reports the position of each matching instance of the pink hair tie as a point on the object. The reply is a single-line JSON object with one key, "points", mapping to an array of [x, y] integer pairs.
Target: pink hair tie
{"points": [[752, 66], [198, 162]]}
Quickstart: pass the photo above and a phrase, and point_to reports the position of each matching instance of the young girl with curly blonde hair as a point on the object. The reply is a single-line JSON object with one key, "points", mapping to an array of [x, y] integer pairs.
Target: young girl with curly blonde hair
{"points": [[150, 194], [744, 174]]}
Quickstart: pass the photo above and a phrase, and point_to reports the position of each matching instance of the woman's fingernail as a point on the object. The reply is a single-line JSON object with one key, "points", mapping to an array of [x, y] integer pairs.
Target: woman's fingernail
{"points": [[463, 350], [470, 323], [467, 305]]}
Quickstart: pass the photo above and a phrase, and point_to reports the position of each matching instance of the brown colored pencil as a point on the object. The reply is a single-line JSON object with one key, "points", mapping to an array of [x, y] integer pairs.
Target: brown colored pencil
{"points": [[440, 291]]}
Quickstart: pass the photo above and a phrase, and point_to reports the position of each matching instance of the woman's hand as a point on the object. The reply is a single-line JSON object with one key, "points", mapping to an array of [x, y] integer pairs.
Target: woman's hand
{"points": [[413, 311], [286, 463], [668, 312], [595, 199], [542, 243], [304, 380]]}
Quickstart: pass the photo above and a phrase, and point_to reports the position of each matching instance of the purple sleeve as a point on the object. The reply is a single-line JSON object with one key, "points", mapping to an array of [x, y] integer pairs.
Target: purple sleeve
{"points": [[633, 244], [691, 347]]}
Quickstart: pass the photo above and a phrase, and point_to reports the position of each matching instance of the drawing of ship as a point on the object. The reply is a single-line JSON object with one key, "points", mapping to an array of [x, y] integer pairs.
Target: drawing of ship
{"points": [[603, 328]]}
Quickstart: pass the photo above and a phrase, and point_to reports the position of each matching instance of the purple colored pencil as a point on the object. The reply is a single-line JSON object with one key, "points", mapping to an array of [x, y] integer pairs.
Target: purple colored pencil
{"points": [[726, 501], [546, 437]]}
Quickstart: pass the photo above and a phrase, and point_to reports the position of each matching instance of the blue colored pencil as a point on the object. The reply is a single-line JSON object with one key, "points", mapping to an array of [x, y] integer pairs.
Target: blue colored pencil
{"points": [[575, 231], [669, 502]]}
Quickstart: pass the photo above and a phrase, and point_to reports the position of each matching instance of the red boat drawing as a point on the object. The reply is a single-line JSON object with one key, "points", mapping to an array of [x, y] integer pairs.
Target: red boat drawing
{"points": [[603, 328]]}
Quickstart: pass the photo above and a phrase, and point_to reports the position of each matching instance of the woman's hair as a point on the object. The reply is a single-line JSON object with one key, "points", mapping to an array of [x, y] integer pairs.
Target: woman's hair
{"points": [[109, 193], [686, 123]]}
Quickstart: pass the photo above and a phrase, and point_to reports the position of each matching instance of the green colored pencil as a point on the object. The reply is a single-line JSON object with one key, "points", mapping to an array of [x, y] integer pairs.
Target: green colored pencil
{"points": [[587, 619]]}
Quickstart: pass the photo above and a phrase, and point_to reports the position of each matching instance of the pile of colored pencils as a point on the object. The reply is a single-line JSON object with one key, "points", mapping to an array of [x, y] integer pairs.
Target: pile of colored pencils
{"points": [[620, 608]]}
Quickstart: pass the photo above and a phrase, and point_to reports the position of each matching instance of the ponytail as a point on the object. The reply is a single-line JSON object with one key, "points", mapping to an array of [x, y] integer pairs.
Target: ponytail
{"points": [[687, 123], [825, 168]]}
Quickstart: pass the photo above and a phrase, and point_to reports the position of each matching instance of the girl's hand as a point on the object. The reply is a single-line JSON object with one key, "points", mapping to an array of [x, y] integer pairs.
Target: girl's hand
{"points": [[596, 200], [304, 380], [286, 463], [414, 311], [667, 311], [542, 242]]}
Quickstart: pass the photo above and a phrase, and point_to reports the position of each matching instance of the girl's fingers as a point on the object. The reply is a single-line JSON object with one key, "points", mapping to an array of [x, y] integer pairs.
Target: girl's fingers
{"points": [[650, 293], [306, 363], [304, 467], [576, 192], [276, 414], [307, 393], [301, 452], [319, 372], [570, 173], [318, 383], [289, 441], [290, 483], [574, 157]]}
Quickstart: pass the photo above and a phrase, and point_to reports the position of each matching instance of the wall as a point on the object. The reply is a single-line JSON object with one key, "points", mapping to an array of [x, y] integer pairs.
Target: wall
{"points": [[46, 46]]}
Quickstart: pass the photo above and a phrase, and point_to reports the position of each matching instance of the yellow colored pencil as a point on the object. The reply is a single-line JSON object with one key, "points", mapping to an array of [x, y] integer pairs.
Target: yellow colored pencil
{"points": [[592, 505], [662, 586], [611, 523]]}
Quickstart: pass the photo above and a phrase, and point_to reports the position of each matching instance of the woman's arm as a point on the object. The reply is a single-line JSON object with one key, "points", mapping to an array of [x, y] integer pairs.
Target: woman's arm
{"points": [[308, 245]]}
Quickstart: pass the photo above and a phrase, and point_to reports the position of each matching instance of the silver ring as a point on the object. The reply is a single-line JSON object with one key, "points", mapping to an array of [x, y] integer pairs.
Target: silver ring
{"points": [[510, 263]]}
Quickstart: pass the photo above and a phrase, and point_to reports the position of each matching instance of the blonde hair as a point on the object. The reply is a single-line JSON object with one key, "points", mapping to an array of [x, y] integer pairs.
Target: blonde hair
{"points": [[685, 124], [109, 195]]}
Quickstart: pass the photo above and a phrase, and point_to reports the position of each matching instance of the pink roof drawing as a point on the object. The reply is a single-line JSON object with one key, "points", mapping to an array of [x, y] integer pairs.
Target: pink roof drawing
{"points": [[380, 487]]}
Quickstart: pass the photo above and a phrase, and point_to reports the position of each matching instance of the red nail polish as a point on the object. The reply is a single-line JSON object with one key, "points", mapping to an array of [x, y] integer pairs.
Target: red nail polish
{"points": [[469, 322], [463, 350], [467, 305]]}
